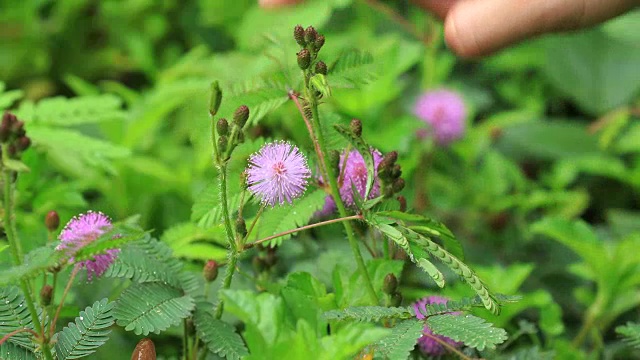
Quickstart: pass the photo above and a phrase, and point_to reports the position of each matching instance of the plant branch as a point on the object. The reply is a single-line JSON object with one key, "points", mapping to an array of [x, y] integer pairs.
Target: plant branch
{"points": [[52, 329], [293, 96], [447, 346], [14, 332], [302, 228], [228, 275]]}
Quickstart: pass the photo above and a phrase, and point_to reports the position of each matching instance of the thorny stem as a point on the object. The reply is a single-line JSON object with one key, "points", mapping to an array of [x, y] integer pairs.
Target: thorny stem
{"points": [[52, 329], [293, 96], [302, 228], [228, 275], [447, 345], [353, 242], [16, 250]]}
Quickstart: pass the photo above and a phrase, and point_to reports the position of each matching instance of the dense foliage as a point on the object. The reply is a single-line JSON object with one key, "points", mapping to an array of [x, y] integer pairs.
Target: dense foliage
{"points": [[321, 181]]}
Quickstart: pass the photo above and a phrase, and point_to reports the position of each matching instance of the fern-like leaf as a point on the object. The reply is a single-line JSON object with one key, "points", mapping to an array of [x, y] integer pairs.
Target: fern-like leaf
{"points": [[14, 315], [631, 334], [89, 331], [353, 68], [473, 331], [133, 263], [34, 264], [402, 339], [286, 217], [368, 313], [152, 307], [262, 97], [220, 337], [11, 351], [61, 111]]}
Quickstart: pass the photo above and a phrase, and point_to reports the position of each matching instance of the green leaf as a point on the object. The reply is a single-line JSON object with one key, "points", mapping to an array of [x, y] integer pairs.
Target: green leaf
{"points": [[287, 217], [319, 82], [631, 334], [7, 98], [89, 331], [471, 330], [432, 270], [61, 111], [11, 351], [403, 338], [352, 69], [194, 242], [262, 97], [14, 315], [34, 264], [15, 165], [364, 150], [151, 308], [220, 337], [135, 264], [368, 313]]}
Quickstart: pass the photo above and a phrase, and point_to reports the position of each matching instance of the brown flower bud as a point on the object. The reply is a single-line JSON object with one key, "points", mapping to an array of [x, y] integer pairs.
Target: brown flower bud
{"points": [[222, 126], [304, 59], [241, 115], [5, 126], [317, 45], [298, 35], [398, 185], [356, 127], [396, 171], [321, 68], [241, 227], [13, 150], [310, 35], [23, 143], [390, 284], [145, 350], [210, 270], [45, 295], [403, 203], [52, 220]]}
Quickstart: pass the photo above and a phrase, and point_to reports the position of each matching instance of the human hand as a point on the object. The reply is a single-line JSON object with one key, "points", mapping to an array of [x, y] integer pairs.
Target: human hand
{"points": [[475, 28]]}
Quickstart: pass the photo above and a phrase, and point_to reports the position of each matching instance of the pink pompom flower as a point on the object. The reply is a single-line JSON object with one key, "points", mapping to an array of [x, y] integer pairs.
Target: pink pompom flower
{"points": [[444, 112], [427, 344], [82, 230], [277, 173]]}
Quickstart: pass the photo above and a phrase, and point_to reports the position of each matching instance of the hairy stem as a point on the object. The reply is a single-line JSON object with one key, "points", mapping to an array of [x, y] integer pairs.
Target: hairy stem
{"points": [[14, 332], [228, 275], [335, 191], [293, 96], [52, 329], [16, 250], [302, 228], [447, 346]]}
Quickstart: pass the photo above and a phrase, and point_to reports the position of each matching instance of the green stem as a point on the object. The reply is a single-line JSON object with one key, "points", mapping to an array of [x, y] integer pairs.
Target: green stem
{"points": [[185, 340], [228, 275], [335, 191], [17, 257]]}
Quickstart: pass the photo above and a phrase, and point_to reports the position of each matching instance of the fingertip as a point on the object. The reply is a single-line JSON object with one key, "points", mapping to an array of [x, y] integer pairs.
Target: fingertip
{"points": [[458, 37], [270, 4]]}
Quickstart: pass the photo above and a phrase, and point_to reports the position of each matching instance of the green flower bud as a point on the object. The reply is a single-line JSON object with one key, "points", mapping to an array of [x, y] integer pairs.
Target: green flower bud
{"points": [[210, 270], [321, 68], [298, 35], [241, 227], [356, 127], [310, 35], [222, 126], [223, 142], [216, 98], [52, 221], [241, 115], [396, 300], [45, 295], [304, 59], [390, 284]]}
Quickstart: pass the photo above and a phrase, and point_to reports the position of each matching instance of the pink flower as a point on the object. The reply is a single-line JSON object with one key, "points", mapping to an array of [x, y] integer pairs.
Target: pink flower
{"points": [[277, 173], [444, 112], [82, 230], [427, 344]]}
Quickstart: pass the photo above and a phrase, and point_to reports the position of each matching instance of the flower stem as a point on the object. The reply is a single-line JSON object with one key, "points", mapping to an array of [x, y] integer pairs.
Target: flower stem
{"points": [[16, 250], [335, 191], [52, 329], [302, 228], [228, 275]]}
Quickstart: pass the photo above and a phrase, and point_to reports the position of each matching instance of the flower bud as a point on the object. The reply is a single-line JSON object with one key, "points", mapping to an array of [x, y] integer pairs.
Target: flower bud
{"points": [[304, 59], [356, 127], [398, 185], [145, 350], [271, 259], [396, 171], [12, 150], [390, 284], [216, 98], [222, 144], [310, 35], [23, 143], [241, 227], [321, 68], [45, 295], [210, 270], [385, 166], [396, 299], [403, 203], [298, 35], [241, 115], [222, 126], [52, 220], [5, 126], [317, 45], [18, 128]]}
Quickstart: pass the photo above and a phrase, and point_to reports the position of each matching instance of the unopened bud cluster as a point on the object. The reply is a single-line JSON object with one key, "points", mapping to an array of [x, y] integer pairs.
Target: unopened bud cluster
{"points": [[390, 287], [310, 42], [389, 173], [227, 134], [12, 134]]}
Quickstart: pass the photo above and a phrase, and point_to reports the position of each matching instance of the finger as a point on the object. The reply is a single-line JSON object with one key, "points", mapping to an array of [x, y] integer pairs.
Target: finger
{"points": [[438, 7], [277, 3], [480, 27]]}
